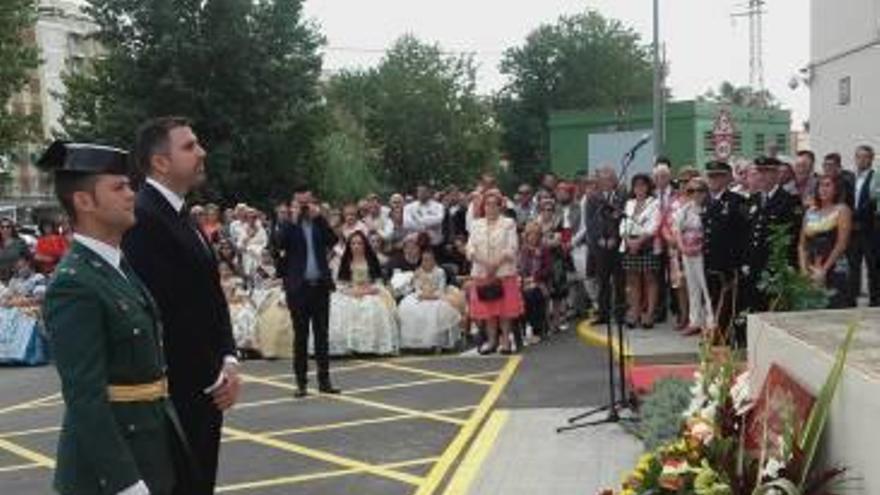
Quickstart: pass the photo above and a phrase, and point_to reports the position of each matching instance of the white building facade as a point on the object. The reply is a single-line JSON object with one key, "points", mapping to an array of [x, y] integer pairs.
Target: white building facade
{"points": [[62, 36], [844, 76]]}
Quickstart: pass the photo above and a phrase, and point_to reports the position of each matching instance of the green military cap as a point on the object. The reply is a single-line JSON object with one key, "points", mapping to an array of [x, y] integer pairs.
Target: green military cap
{"points": [[79, 159], [717, 167], [768, 162]]}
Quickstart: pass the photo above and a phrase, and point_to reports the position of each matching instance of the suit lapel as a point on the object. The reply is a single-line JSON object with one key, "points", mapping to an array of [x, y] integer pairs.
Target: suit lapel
{"points": [[180, 230]]}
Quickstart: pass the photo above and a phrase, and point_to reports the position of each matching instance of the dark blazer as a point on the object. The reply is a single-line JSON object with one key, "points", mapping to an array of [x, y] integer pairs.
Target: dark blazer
{"points": [[603, 218], [724, 223], [848, 187], [863, 216], [293, 242], [782, 208], [181, 273]]}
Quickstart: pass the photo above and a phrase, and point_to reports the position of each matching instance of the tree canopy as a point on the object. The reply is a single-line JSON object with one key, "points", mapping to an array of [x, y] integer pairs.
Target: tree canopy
{"points": [[581, 61], [245, 72], [421, 114], [18, 58], [746, 96]]}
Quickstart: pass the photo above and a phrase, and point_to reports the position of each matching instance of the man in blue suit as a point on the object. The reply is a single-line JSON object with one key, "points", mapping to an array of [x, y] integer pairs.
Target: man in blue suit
{"points": [[306, 241]]}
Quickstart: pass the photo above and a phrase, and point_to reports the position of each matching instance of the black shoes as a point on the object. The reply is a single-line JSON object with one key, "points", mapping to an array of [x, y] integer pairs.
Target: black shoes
{"points": [[302, 391], [329, 389]]}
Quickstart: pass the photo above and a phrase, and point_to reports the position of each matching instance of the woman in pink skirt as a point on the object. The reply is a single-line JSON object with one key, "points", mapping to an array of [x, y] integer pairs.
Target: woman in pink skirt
{"points": [[495, 296]]}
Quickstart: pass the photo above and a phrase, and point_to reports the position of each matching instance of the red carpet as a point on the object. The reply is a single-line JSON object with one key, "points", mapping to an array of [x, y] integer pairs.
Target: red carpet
{"points": [[643, 377]]}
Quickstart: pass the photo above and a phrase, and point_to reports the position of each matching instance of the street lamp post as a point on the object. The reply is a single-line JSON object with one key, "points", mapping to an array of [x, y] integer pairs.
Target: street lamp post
{"points": [[658, 85]]}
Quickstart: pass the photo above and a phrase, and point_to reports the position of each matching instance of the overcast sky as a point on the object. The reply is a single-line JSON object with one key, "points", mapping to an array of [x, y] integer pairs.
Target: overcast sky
{"points": [[704, 44]]}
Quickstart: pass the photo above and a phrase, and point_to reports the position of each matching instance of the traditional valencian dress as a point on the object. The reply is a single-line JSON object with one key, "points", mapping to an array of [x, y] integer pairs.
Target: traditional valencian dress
{"points": [[363, 325], [429, 317]]}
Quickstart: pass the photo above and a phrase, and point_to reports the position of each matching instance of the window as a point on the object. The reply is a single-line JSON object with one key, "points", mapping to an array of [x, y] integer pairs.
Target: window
{"points": [[737, 143], [844, 91], [782, 142], [759, 144], [709, 142]]}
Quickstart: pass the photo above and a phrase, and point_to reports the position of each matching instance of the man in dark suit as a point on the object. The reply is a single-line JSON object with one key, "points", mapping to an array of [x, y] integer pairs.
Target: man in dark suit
{"points": [[832, 165], [863, 241], [769, 207], [604, 213], [178, 265], [723, 228], [307, 239]]}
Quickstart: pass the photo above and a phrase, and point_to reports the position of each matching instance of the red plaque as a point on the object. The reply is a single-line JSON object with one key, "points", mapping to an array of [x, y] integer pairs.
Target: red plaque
{"points": [[782, 401]]}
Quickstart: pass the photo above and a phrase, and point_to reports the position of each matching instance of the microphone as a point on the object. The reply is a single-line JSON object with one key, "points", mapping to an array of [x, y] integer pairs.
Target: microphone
{"points": [[646, 137]]}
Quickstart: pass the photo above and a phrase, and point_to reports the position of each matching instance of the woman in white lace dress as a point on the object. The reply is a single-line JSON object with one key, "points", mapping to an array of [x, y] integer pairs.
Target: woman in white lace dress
{"points": [[428, 320], [363, 318]]}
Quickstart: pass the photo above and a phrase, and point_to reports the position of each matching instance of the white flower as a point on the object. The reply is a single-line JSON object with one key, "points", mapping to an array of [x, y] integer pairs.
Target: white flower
{"points": [[702, 431], [772, 468], [714, 390], [709, 412], [741, 394]]}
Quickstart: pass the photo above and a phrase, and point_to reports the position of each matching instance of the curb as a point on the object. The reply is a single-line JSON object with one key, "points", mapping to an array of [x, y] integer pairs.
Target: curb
{"points": [[592, 337]]}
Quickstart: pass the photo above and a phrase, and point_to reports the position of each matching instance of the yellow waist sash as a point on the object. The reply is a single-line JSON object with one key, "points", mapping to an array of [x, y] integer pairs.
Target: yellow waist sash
{"points": [[143, 392]]}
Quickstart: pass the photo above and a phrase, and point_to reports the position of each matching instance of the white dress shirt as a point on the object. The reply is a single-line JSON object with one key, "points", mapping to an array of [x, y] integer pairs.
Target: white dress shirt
{"points": [[111, 254], [425, 217], [861, 179], [172, 197]]}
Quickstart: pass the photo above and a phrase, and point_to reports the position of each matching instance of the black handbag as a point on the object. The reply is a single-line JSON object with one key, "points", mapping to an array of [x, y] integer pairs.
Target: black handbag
{"points": [[492, 291]]}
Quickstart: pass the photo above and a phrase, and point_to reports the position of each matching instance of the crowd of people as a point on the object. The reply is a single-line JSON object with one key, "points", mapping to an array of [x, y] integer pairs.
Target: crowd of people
{"points": [[438, 270]]}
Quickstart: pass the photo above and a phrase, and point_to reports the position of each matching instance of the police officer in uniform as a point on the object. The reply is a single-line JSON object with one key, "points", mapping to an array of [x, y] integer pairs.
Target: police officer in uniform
{"points": [[120, 433], [724, 228], [769, 207]]}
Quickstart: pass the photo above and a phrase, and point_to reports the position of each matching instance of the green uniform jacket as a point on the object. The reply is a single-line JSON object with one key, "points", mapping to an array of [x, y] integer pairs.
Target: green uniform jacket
{"points": [[105, 329]]}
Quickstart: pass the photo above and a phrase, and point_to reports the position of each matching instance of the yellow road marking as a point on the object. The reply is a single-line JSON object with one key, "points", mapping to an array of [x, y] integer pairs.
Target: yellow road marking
{"points": [[353, 423], [438, 472], [590, 336], [20, 467], [364, 390], [434, 374], [35, 431], [340, 369], [27, 454], [289, 480], [325, 456], [361, 401], [31, 404], [467, 471]]}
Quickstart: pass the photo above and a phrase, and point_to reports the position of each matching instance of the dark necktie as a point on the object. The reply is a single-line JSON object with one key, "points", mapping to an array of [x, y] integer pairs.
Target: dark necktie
{"points": [[187, 220]]}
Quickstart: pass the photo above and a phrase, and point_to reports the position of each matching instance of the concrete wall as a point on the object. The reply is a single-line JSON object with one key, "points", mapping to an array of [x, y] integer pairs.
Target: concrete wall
{"points": [[804, 344], [845, 42]]}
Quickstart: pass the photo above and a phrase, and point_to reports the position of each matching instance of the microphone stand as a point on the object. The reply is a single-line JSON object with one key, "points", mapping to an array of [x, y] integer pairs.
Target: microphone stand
{"points": [[627, 400]]}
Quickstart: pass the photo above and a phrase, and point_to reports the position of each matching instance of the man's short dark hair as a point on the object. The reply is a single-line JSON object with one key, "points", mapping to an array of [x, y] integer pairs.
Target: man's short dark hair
{"points": [[833, 157], [68, 184], [867, 149], [152, 138], [809, 154], [662, 160]]}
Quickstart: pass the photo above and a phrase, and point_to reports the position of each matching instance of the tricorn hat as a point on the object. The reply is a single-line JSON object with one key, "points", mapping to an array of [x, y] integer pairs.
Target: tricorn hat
{"points": [[65, 158]]}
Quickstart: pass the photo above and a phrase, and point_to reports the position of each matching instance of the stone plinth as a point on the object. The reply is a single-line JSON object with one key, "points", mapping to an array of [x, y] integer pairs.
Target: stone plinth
{"points": [[804, 344]]}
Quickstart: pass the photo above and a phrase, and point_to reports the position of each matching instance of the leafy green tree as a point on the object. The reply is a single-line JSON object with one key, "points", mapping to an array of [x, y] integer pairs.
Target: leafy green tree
{"points": [[18, 58], [349, 165], [729, 94], [421, 112], [246, 73], [581, 61]]}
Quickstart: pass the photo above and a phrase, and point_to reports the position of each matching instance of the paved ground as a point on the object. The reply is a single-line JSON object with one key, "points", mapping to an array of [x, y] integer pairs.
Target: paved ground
{"points": [[518, 450], [398, 428]]}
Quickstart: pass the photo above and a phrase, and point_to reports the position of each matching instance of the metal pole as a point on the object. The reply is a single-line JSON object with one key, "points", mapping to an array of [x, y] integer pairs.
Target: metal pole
{"points": [[658, 85]]}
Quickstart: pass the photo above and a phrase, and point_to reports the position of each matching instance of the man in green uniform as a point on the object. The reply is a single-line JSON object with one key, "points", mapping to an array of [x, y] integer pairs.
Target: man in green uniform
{"points": [[119, 434]]}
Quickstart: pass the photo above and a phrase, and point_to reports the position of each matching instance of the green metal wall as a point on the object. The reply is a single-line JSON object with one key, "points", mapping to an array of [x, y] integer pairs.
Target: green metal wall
{"points": [[687, 125]]}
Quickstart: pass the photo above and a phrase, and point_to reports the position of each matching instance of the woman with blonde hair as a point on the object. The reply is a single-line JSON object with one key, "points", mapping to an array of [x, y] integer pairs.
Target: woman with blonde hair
{"points": [[495, 298]]}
